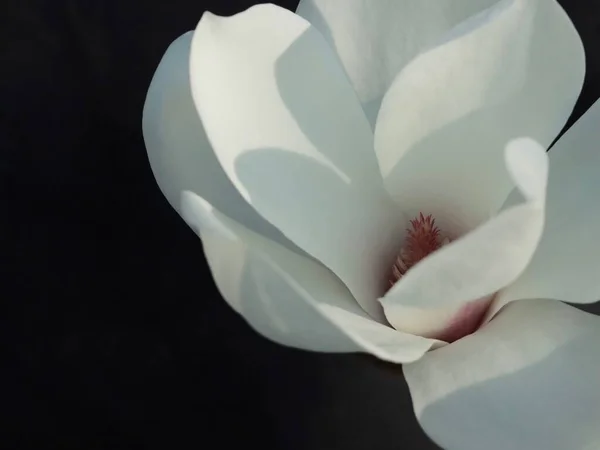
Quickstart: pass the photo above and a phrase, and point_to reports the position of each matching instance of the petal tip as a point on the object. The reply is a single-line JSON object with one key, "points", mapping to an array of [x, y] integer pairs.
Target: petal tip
{"points": [[201, 216], [527, 163]]}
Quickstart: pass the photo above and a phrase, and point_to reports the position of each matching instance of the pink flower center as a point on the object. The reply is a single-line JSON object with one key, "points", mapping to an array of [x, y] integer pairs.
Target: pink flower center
{"points": [[423, 237]]}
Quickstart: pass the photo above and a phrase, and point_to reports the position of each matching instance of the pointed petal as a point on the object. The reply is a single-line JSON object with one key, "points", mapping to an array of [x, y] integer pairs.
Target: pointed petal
{"points": [[527, 380], [514, 70], [428, 298], [180, 155], [565, 264], [292, 137], [374, 40], [290, 298]]}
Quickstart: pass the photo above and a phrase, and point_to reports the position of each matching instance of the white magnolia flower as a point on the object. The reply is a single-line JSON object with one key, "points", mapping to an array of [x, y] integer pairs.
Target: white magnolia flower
{"points": [[301, 146]]}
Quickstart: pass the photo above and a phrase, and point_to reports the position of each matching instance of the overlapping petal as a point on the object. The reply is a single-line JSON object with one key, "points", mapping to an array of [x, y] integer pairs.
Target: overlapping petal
{"points": [[566, 263], [180, 155], [376, 39], [480, 263], [291, 135], [290, 298], [527, 380], [514, 70]]}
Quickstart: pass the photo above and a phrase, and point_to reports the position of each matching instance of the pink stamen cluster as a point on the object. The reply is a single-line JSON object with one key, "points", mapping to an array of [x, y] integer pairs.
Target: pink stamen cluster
{"points": [[422, 238]]}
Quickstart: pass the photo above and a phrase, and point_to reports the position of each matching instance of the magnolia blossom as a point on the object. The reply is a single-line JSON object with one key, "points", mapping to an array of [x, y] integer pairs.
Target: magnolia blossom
{"points": [[372, 176]]}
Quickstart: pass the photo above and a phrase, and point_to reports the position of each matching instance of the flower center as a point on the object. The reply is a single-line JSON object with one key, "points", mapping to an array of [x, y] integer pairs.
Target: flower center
{"points": [[423, 237]]}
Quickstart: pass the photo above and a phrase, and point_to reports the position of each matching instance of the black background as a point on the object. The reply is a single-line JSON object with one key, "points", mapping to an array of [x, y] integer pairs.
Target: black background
{"points": [[113, 334]]}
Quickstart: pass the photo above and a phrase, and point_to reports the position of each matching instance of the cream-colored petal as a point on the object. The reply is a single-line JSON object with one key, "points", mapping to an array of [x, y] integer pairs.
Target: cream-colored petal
{"points": [[375, 40], [180, 155], [514, 70], [566, 263], [290, 298], [290, 134], [527, 380], [428, 298]]}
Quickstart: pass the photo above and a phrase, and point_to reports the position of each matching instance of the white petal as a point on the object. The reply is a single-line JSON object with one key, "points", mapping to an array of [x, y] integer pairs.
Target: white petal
{"points": [[515, 70], [480, 263], [290, 298], [566, 262], [527, 380], [291, 135], [179, 152], [374, 40]]}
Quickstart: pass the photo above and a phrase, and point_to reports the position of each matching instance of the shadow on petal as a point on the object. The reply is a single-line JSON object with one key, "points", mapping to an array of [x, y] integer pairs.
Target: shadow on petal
{"points": [[528, 381], [356, 159], [521, 409], [299, 187]]}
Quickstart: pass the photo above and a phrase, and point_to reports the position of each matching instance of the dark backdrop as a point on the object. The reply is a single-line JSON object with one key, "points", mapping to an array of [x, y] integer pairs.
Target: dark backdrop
{"points": [[115, 336]]}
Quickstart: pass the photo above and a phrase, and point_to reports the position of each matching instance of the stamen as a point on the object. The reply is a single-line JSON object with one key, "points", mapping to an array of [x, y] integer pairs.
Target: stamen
{"points": [[423, 237]]}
